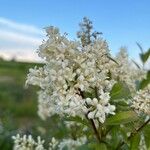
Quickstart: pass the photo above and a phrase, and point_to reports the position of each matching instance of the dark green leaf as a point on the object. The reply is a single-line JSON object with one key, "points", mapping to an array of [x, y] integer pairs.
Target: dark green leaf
{"points": [[140, 47], [78, 120], [113, 60], [90, 94], [109, 75]]}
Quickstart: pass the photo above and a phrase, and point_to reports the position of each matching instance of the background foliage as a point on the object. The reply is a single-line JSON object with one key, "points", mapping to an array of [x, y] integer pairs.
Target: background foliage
{"points": [[18, 106]]}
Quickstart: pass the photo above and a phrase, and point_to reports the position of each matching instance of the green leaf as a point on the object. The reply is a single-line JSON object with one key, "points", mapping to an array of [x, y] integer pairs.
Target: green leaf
{"points": [[78, 120], [96, 146], [121, 102], [109, 75], [115, 134], [90, 94], [119, 91], [101, 146], [147, 135], [135, 142], [113, 60], [140, 47], [122, 118], [144, 56], [136, 64], [145, 82]]}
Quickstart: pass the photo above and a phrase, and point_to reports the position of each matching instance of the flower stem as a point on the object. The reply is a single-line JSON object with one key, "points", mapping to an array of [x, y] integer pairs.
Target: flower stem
{"points": [[91, 121], [94, 129]]}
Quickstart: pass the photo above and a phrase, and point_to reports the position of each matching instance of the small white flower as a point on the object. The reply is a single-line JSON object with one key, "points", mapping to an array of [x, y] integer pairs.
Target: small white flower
{"points": [[27, 143], [100, 109]]}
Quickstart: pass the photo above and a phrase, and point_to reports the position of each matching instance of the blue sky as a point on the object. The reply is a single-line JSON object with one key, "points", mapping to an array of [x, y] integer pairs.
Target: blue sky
{"points": [[123, 23]]}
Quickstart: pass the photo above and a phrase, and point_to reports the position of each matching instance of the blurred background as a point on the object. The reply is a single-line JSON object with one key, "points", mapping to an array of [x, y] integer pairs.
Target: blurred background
{"points": [[123, 23]]}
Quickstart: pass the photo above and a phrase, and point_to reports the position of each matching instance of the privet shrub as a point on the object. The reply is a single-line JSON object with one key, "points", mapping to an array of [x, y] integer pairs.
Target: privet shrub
{"points": [[106, 98]]}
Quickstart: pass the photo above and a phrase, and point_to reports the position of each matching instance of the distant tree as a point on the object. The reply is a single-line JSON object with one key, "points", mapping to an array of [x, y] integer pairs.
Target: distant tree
{"points": [[1, 58], [13, 58]]}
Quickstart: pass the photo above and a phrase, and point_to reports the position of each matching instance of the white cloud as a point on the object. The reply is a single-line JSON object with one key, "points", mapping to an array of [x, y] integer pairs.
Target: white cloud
{"points": [[20, 27], [19, 37], [19, 40]]}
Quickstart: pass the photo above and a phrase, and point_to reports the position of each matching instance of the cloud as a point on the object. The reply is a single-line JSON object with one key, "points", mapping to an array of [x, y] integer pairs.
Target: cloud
{"points": [[20, 27], [18, 37], [19, 40]]}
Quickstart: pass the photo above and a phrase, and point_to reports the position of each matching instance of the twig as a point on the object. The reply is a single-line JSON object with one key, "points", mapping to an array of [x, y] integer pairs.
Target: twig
{"points": [[94, 129], [91, 121], [133, 134]]}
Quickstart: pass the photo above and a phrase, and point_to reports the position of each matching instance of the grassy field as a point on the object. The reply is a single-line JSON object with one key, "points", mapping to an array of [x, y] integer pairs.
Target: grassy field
{"points": [[18, 106]]}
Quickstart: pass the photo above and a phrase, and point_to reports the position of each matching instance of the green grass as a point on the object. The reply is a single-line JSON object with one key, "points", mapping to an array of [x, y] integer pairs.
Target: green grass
{"points": [[18, 105], [13, 93]]}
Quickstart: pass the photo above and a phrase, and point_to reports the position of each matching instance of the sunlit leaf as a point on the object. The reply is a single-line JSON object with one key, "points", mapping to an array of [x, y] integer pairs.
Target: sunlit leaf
{"points": [[119, 91], [122, 118], [145, 82], [144, 56]]}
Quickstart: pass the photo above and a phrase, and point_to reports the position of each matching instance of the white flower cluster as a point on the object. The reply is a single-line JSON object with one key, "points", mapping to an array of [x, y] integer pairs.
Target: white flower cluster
{"points": [[126, 71], [75, 80], [27, 143], [141, 101]]}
